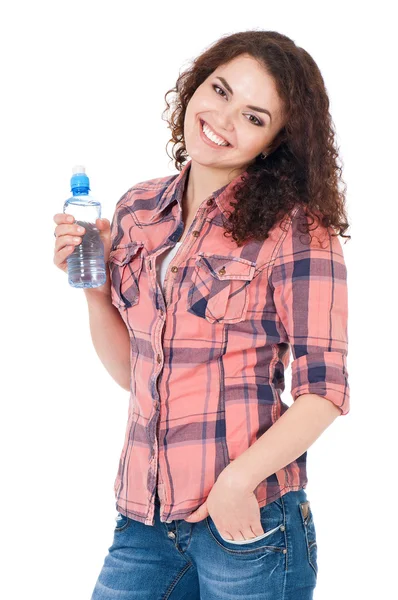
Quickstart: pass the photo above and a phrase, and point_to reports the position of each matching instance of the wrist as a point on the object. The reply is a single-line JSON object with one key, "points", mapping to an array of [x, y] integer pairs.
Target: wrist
{"points": [[235, 477], [100, 293]]}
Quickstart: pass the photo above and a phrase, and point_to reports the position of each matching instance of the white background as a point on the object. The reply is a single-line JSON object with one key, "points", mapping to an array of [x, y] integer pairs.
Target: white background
{"points": [[83, 82]]}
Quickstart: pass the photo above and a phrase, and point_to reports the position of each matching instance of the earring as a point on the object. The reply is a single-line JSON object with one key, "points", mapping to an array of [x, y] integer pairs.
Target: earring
{"points": [[263, 155]]}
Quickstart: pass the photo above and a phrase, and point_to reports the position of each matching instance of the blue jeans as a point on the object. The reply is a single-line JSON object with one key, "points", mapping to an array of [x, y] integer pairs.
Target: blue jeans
{"points": [[192, 561]]}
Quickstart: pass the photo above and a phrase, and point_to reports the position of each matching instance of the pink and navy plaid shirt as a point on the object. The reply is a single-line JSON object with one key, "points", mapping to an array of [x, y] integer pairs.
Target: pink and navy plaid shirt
{"points": [[208, 352]]}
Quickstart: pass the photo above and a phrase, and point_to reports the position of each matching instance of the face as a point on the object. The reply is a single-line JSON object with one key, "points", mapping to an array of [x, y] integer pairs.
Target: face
{"points": [[222, 101]]}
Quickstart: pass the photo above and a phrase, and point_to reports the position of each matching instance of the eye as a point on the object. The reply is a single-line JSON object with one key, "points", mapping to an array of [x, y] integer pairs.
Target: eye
{"points": [[218, 87], [258, 122]]}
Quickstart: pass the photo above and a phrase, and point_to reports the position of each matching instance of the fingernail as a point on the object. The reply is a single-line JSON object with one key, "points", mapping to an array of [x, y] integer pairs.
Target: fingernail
{"points": [[70, 219]]}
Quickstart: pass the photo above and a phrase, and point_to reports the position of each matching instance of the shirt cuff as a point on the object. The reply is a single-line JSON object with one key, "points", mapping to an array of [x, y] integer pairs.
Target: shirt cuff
{"points": [[324, 374]]}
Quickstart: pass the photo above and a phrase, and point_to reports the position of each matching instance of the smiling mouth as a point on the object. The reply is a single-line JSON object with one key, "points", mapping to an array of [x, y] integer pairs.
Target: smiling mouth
{"points": [[226, 144]]}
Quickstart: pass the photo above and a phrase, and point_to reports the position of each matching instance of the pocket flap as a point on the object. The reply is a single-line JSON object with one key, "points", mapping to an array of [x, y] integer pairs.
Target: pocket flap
{"points": [[226, 267], [123, 253]]}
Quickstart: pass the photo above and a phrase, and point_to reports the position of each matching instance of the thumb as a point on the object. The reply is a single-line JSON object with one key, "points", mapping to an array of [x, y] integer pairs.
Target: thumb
{"points": [[103, 224], [198, 515]]}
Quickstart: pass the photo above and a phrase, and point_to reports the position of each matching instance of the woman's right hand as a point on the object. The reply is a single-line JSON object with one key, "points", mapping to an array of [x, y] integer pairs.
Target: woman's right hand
{"points": [[68, 236]]}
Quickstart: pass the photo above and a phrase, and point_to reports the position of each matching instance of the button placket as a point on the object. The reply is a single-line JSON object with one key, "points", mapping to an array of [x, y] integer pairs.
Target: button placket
{"points": [[174, 269], [185, 247]]}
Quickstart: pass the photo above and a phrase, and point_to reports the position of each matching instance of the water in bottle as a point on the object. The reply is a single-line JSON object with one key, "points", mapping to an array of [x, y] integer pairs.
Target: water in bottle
{"points": [[86, 265]]}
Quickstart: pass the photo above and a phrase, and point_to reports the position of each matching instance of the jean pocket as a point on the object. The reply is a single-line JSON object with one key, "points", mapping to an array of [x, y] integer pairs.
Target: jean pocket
{"points": [[307, 519], [219, 288], [272, 539], [125, 265], [254, 539], [122, 522]]}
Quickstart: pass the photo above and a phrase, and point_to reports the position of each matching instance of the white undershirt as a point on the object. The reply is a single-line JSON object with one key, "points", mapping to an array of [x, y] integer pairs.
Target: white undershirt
{"points": [[163, 261]]}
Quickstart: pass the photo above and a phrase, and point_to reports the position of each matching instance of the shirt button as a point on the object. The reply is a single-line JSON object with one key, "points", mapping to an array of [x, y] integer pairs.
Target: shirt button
{"points": [[161, 313], [222, 271], [171, 535], [174, 269], [210, 201], [159, 358], [195, 233]]}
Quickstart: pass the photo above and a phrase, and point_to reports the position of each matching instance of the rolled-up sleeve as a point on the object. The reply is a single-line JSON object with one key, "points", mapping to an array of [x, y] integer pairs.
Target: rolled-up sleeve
{"points": [[309, 285]]}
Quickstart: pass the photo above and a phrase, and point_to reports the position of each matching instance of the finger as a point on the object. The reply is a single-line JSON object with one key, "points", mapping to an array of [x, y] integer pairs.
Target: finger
{"points": [[244, 533], [63, 218], [66, 250], [255, 530], [227, 535], [61, 255], [71, 230], [67, 240], [252, 529], [103, 224]]}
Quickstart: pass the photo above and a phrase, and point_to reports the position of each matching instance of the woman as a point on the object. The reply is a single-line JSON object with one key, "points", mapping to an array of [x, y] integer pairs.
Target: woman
{"points": [[215, 273]]}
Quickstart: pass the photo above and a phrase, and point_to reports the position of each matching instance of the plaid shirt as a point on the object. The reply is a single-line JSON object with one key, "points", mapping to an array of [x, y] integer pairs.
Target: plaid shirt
{"points": [[208, 352]]}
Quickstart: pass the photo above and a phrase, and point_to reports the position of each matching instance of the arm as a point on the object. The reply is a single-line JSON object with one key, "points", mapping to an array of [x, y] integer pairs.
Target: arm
{"points": [[309, 288], [109, 333], [110, 336], [287, 439]]}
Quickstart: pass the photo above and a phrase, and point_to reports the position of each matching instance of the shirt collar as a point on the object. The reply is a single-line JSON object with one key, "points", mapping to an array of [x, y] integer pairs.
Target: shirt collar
{"points": [[174, 191]]}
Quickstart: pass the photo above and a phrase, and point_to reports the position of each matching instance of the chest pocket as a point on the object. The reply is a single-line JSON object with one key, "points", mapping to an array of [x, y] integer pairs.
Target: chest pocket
{"points": [[218, 291], [125, 265]]}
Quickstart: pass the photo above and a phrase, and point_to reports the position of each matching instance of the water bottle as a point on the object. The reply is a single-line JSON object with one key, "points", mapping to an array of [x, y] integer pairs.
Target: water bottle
{"points": [[86, 265]]}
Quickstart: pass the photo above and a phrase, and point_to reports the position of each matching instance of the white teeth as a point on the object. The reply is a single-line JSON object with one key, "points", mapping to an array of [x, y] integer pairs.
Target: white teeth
{"points": [[213, 137]]}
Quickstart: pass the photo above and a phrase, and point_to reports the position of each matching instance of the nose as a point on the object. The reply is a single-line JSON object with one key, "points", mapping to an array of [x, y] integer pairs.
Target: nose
{"points": [[224, 123]]}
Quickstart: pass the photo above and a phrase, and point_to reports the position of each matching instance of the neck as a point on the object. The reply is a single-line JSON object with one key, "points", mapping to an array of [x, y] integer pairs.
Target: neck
{"points": [[202, 181]]}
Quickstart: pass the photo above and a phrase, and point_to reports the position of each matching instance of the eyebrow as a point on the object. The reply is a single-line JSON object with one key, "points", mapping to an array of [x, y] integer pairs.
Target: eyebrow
{"points": [[258, 108]]}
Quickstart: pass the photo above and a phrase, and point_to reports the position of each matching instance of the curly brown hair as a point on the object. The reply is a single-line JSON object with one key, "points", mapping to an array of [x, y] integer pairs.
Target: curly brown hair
{"points": [[301, 165]]}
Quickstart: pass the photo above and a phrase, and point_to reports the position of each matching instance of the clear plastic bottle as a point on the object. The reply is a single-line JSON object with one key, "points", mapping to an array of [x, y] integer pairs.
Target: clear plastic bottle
{"points": [[86, 265]]}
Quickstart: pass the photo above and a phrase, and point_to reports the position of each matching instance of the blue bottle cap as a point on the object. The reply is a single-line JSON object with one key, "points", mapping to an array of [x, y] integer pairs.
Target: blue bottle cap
{"points": [[79, 182]]}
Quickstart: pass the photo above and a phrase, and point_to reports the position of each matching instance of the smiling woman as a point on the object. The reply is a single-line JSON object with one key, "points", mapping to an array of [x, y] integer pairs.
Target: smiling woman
{"points": [[213, 461], [266, 97]]}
